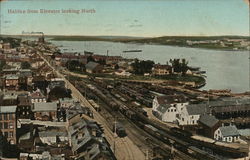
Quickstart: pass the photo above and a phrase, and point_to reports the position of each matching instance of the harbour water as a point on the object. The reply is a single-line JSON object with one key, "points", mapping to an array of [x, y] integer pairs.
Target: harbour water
{"points": [[224, 69]]}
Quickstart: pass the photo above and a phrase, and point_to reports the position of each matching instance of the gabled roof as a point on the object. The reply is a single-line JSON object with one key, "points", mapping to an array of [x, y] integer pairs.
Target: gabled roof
{"points": [[227, 131], [91, 65], [197, 109], [208, 120]]}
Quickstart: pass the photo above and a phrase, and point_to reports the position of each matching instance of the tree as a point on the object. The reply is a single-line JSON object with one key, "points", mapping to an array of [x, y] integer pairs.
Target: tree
{"points": [[141, 67], [116, 66], [179, 66], [184, 66], [59, 92], [74, 65], [90, 59], [25, 65], [2, 64]]}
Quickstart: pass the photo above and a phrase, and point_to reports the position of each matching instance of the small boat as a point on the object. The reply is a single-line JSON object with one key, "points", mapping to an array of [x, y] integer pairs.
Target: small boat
{"points": [[136, 50]]}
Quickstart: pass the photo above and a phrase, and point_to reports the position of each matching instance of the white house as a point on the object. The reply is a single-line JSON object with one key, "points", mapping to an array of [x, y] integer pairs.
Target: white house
{"points": [[190, 114], [227, 134], [167, 107]]}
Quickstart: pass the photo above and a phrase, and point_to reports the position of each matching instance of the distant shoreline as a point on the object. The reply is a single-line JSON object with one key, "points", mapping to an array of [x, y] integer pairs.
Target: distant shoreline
{"points": [[220, 43], [167, 41]]}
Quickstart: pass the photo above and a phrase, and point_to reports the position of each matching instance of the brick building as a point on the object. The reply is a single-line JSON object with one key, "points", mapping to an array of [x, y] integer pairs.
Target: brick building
{"points": [[8, 122]]}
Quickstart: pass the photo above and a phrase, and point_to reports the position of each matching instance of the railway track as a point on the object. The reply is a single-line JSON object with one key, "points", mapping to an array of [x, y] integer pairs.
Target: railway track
{"points": [[140, 132], [189, 147]]}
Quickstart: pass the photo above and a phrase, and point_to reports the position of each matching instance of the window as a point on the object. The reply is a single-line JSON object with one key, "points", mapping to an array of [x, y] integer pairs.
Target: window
{"points": [[11, 134], [5, 117], [10, 117], [6, 134], [0, 117], [11, 125], [1, 125], [175, 110], [5, 125]]}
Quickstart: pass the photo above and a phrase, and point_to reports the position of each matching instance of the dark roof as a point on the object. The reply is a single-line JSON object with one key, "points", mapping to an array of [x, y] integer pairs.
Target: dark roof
{"points": [[208, 120], [171, 99], [229, 131], [197, 109], [91, 65]]}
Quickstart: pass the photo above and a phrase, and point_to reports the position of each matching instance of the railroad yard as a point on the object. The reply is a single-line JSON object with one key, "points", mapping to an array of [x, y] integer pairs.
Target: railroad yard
{"points": [[124, 101]]}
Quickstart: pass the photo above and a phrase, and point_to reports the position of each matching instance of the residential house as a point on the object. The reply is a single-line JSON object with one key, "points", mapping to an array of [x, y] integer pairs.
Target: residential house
{"points": [[24, 107], [227, 134], [53, 136], [45, 111], [9, 99], [11, 82], [93, 67], [6, 46], [166, 108], [208, 124], [159, 69], [190, 114], [86, 141], [8, 122], [66, 102], [37, 96]]}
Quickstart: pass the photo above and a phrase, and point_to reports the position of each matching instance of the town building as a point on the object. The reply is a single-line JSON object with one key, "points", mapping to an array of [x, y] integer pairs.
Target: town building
{"points": [[37, 96], [8, 122], [190, 114], [66, 102], [208, 124], [45, 111], [9, 99], [227, 134], [160, 70], [166, 108], [24, 107], [11, 82], [93, 67]]}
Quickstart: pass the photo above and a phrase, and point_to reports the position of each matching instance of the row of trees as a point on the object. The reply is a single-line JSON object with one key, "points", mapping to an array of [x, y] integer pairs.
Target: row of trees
{"points": [[141, 67], [178, 65]]}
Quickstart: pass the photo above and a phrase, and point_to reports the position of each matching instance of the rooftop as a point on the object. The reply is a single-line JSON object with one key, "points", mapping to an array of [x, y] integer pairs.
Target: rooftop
{"points": [[8, 109], [229, 131], [196, 109], [91, 65], [11, 76], [208, 120], [45, 106]]}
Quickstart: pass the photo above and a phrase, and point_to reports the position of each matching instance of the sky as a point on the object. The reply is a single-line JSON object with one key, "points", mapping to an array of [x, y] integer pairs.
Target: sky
{"points": [[142, 18]]}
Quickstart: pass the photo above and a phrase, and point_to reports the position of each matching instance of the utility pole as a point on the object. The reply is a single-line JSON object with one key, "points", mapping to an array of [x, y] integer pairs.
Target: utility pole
{"points": [[114, 135]]}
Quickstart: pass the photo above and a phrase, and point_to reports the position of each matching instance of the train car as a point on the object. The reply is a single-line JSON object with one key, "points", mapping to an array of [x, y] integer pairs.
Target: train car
{"points": [[131, 115], [119, 129], [179, 132]]}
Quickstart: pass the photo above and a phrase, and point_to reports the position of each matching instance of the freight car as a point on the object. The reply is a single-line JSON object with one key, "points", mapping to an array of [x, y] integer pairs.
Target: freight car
{"points": [[119, 129]]}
